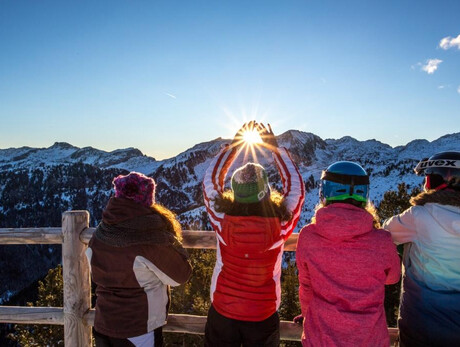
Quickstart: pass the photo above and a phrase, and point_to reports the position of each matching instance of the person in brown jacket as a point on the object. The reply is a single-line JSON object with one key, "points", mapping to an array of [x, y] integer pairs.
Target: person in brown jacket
{"points": [[135, 255]]}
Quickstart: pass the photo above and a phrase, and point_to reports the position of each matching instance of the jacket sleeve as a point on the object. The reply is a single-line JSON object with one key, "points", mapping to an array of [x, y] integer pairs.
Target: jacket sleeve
{"points": [[402, 227], [305, 290], [393, 270], [293, 189], [167, 262], [213, 185]]}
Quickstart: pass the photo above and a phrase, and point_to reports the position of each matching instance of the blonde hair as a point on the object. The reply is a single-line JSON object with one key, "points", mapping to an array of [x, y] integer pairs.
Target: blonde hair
{"points": [[272, 207], [370, 208], [170, 219]]}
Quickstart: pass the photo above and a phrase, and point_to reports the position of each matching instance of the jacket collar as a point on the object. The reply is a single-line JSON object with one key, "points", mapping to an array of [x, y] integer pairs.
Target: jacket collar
{"points": [[442, 197], [120, 209]]}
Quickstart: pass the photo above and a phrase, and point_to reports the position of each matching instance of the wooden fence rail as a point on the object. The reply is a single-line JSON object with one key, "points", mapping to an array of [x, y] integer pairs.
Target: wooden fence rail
{"points": [[77, 315]]}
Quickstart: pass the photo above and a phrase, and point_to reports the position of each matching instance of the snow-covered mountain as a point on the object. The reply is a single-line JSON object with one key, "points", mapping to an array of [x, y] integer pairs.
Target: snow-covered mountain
{"points": [[38, 184], [64, 153], [179, 178]]}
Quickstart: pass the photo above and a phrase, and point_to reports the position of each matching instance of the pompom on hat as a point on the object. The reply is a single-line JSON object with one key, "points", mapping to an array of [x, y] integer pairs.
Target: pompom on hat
{"points": [[135, 186], [250, 184]]}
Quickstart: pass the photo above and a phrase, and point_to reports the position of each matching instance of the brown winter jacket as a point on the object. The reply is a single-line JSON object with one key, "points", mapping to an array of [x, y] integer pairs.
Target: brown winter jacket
{"points": [[133, 261]]}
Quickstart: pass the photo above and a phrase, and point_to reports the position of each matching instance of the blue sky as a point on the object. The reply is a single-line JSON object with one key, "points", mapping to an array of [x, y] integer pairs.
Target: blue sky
{"points": [[162, 76]]}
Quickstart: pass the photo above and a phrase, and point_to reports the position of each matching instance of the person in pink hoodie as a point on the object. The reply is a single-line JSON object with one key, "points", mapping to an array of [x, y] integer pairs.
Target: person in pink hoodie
{"points": [[344, 261]]}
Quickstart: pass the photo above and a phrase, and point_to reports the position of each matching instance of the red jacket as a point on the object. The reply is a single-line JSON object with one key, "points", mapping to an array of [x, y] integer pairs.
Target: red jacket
{"points": [[344, 264], [246, 280]]}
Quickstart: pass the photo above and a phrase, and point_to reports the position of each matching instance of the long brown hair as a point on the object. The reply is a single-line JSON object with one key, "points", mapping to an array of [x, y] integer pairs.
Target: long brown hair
{"points": [[369, 207], [170, 219], [272, 207]]}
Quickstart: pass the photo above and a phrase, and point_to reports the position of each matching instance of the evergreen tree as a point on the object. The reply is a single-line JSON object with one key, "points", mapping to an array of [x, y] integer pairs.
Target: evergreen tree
{"points": [[193, 297], [395, 202], [290, 304], [50, 294]]}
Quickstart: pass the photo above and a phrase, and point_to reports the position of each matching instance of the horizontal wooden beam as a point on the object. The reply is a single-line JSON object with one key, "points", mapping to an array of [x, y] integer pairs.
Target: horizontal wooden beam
{"points": [[177, 323], [291, 242], [191, 238], [86, 234], [32, 315], [18, 236]]}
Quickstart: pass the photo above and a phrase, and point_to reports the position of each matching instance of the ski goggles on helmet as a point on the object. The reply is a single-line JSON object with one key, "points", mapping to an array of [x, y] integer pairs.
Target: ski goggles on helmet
{"points": [[425, 164]]}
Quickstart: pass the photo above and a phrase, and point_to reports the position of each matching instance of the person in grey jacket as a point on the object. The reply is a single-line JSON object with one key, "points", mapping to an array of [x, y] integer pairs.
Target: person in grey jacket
{"points": [[135, 255], [430, 304]]}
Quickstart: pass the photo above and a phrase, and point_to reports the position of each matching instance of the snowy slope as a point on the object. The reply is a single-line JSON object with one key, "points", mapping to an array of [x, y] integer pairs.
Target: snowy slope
{"points": [[64, 153], [179, 178], [387, 166]]}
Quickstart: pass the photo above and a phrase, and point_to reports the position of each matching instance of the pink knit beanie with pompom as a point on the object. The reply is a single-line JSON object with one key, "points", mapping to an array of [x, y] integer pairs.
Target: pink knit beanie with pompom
{"points": [[135, 186]]}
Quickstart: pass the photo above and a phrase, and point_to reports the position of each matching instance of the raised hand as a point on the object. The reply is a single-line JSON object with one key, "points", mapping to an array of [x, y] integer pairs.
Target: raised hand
{"points": [[267, 136], [238, 139]]}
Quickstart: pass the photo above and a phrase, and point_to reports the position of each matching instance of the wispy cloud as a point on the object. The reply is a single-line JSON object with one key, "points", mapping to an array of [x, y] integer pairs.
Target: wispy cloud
{"points": [[449, 42], [171, 96], [431, 66], [458, 90], [441, 87]]}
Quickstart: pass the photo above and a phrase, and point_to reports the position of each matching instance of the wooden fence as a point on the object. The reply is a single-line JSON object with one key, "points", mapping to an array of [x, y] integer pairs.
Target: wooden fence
{"points": [[77, 315]]}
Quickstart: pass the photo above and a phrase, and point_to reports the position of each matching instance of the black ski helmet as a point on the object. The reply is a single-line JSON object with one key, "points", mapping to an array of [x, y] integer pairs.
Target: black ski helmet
{"points": [[442, 171]]}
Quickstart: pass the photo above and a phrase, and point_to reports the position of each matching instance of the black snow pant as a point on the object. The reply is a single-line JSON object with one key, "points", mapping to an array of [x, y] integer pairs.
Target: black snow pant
{"points": [[226, 332]]}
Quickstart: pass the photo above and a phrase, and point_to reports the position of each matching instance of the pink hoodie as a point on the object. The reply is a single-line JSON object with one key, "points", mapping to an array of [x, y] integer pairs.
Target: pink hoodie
{"points": [[344, 263]]}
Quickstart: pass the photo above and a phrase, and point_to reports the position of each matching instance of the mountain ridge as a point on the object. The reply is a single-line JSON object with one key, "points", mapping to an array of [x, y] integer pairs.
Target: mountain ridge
{"points": [[183, 173], [118, 156]]}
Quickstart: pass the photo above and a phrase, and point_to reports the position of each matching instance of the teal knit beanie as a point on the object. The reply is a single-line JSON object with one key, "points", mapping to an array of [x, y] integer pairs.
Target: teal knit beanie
{"points": [[250, 183]]}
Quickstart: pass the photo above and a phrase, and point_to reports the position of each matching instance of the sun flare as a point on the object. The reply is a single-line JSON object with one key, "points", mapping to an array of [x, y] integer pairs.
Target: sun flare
{"points": [[252, 137]]}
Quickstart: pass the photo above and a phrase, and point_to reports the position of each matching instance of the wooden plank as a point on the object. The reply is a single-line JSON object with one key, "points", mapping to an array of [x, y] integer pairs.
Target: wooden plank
{"points": [[198, 239], [290, 331], [88, 317], [191, 324], [177, 323], [20, 236], [86, 234], [32, 315], [184, 323], [191, 238], [77, 283], [291, 242]]}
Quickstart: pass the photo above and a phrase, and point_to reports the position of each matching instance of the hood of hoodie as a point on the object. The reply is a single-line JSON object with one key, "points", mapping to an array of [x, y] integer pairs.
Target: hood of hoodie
{"points": [[443, 207], [442, 197], [340, 222], [120, 209]]}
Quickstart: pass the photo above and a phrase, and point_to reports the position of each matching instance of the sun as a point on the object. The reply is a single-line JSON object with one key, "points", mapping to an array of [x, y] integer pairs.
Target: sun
{"points": [[252, 137]]}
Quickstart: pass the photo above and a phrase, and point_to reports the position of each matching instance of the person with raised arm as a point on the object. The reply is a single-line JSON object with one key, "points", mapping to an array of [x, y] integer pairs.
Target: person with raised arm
{"points": [[252, 221]]}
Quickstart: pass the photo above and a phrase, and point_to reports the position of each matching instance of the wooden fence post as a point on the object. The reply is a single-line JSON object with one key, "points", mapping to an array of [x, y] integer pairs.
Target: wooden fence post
{"points": [[77, 283]]}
